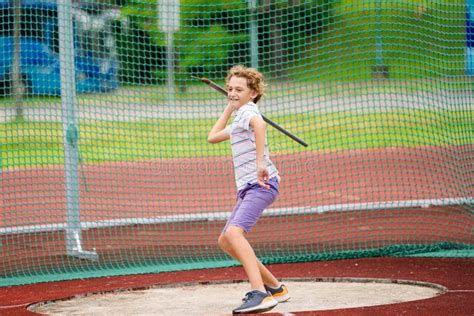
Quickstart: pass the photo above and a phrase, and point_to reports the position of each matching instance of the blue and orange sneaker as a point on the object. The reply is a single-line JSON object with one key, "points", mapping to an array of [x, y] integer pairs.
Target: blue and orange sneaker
{"points": [[256, 302], [280, 293]]}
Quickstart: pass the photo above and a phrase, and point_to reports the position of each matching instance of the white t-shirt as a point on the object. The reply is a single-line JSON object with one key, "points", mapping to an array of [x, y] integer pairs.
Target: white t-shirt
{"points": [[244, 151]]}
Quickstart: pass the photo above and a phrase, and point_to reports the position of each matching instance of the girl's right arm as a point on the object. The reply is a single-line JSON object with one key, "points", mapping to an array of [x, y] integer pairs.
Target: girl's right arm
{"points": [[218, 132]]}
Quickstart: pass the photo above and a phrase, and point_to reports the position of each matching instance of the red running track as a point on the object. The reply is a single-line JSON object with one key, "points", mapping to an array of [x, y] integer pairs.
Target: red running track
{"points": [[189, 186], [456, 274]]}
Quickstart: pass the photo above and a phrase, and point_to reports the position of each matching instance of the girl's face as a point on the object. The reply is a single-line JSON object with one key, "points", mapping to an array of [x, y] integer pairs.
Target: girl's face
{"points": [[238, 92]]}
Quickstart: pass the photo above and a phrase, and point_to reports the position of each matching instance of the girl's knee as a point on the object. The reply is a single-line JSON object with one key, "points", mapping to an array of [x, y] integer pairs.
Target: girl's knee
{"points": [[228, 237], [233, 232]]}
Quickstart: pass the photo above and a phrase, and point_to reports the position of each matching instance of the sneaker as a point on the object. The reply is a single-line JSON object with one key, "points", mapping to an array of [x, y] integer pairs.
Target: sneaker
{"points": [[280, 294], [256, 302]]}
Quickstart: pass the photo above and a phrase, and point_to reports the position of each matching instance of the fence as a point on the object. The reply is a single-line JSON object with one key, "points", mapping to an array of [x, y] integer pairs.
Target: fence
{"points": [[105, 165]]}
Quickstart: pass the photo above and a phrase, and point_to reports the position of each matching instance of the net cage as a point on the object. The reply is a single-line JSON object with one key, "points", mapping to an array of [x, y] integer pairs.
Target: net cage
{"points": [[105, 165]]}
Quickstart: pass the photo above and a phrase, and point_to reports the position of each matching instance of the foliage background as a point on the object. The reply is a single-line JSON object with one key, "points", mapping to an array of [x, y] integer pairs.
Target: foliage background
{"points": [[298, 40]]}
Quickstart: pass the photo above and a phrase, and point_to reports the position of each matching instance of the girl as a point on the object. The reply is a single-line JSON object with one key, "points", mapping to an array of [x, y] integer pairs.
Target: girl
{"points": [[257, 182]]}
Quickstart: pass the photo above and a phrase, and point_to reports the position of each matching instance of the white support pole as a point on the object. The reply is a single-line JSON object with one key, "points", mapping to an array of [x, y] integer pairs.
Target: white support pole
{"points": [[252, 4], [378, 35], [168, 19], [170, 67], [70, 133]]}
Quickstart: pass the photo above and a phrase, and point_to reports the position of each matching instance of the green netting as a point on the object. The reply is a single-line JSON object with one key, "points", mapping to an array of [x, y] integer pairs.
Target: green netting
{"points": [[105, 165]]}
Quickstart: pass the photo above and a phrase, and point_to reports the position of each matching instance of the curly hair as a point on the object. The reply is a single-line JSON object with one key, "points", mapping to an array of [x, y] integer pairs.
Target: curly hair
{"points": [[254, 78]]}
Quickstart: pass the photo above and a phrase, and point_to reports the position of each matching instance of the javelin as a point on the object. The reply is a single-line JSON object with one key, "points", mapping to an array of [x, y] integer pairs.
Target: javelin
{"points": [[218, 88]]}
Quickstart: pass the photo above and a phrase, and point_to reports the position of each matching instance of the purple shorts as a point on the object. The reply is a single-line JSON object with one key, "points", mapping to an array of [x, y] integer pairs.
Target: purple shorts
{"points": [[251, 201]]}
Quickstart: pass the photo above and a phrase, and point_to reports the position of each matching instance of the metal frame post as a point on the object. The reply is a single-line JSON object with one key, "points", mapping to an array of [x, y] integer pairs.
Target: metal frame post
{"points": [[70, 133], [169, 19], [252, 5]]}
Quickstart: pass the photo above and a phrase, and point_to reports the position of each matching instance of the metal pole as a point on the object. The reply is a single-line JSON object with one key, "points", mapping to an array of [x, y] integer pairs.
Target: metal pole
{"points": [[379, 70], [17, 83], [70, 132], [252, 4], [168, 18], [170, 66], [378, 35]]}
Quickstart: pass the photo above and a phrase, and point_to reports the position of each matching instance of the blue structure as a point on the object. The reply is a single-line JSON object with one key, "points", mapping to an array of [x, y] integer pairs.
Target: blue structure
{"points": [[96, 62], [470, 37]]}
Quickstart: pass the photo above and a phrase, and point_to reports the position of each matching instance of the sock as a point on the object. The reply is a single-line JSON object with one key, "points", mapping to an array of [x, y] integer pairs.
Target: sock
{"points": [[274, 288]]}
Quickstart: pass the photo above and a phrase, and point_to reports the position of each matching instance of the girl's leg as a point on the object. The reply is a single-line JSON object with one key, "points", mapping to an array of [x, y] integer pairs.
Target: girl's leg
{"points": [[267, 277], [246, 256], [250, 204]]}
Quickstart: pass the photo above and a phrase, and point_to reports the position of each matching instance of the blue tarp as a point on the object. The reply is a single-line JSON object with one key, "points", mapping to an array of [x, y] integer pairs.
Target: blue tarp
{"points": [[470, 37]]}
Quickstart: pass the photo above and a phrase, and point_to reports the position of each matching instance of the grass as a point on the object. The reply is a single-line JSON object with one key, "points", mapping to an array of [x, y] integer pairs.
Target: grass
{"points": [[32, 144], [415, 39]]}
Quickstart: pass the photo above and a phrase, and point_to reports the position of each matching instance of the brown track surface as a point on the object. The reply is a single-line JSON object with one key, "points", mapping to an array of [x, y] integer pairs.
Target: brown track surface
{"points": [[181, 186]]}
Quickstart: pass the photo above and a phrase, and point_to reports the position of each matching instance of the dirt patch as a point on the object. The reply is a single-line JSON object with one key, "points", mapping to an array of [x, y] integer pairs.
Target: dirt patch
{"points": [[221, 298]]}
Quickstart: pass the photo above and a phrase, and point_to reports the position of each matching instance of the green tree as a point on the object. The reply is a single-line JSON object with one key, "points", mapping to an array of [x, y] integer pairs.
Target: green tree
{"points": [[213, 36]]}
